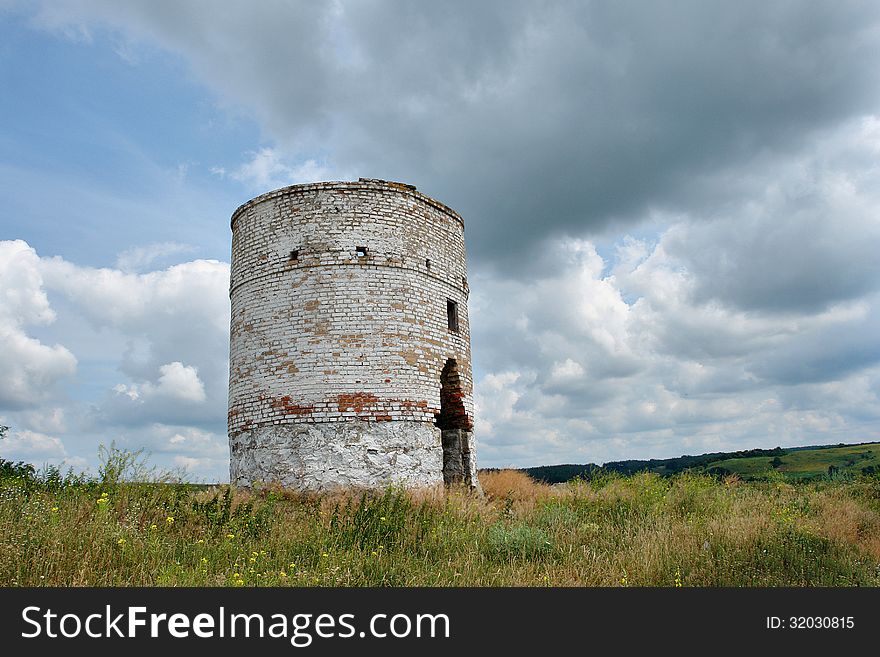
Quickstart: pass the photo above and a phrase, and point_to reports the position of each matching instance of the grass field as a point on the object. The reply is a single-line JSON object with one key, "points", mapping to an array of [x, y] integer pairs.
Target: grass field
{"points": [[807, 463], [644, 530]]}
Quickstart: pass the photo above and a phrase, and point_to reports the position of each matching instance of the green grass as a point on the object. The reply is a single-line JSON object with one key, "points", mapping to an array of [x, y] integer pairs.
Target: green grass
{"points": [[644, 530], [807, 463]]}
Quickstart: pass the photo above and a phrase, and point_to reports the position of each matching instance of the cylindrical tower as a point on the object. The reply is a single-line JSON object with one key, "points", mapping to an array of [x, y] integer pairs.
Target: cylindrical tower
{"points": [[350, 360]]}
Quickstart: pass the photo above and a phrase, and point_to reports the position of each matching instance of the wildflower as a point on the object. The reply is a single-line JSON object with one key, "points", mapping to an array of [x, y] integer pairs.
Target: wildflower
{"points": [[204, 560], [253, 560], [200, 541], [153, 527], [102, 501], [382, 518], [120, 542], [169, 520], [325, 554], [283, 574], [54, 509], [292, 566], [677, 578], [230, 535]]}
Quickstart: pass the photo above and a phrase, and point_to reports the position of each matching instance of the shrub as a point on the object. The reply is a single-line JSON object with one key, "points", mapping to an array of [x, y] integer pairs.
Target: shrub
{"points": [[517, 540]]}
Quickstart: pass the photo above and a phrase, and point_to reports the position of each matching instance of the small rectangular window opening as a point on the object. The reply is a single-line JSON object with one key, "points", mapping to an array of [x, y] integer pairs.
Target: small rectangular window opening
{"points": [[427, 264], [452, 315], [294, 255], [361, 251]]}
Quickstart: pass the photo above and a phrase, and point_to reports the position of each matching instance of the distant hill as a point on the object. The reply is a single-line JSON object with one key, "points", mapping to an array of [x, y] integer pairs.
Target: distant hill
{"points": [[791, 462]]}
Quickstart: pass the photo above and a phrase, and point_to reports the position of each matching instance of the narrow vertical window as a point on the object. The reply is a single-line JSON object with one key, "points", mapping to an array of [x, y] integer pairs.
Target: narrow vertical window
{"points": [[294, 255], [427, 264], [452, 315], [361, 251]]}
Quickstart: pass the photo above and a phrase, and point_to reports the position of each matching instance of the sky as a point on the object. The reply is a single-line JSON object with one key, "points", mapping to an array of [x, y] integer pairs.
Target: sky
{"points": [[671, 211]]}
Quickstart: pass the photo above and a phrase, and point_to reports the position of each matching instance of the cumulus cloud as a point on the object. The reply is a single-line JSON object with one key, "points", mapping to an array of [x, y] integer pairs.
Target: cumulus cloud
{"points": [[175, 323], [30, 368], [809, 239], [176, 381], [39, 449], [602, 359], [173, 327]]}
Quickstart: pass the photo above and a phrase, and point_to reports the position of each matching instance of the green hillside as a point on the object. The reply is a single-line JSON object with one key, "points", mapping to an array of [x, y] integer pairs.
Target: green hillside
{"points": [[793, 463], [805, 463]]}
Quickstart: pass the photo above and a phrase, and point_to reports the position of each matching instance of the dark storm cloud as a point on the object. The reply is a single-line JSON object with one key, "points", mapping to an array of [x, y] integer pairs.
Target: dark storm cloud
{"points": [[533, 119], [832, 353], [568, 116]]}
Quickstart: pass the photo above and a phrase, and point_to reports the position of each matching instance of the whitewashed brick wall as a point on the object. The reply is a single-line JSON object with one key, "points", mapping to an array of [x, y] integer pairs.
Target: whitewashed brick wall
{"points": [[333, 337]]}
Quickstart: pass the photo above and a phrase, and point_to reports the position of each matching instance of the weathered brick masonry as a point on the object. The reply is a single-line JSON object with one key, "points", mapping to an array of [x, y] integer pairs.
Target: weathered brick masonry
{"points": [[349, 315]]}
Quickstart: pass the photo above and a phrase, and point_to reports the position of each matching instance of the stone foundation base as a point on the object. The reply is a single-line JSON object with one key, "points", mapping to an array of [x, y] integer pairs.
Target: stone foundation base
{"points": [[459, 460], [354, 454]]}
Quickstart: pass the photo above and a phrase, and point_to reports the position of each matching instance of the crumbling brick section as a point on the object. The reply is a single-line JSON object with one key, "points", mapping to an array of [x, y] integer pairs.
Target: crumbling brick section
{"points": [[456, 428], [341, 338], [453, 414]]}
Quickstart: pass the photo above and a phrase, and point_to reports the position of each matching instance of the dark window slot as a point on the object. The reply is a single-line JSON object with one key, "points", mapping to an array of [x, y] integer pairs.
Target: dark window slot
{"points": [[452, 315]]}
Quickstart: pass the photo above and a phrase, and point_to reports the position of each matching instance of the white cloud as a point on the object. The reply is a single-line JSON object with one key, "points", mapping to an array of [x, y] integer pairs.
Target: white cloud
{"points": [[176, 381], [175, 323], [181, 381], [635, 362], [34, 447], [30, 368], [267, 169], [139, 258]]}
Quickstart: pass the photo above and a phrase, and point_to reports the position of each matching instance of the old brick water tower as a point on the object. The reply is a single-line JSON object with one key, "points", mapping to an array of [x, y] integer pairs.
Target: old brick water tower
{"points": [[350, 360]]}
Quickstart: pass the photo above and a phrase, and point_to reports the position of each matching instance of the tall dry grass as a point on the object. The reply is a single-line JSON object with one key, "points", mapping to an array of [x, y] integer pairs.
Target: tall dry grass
{"points": [[613, 531]]}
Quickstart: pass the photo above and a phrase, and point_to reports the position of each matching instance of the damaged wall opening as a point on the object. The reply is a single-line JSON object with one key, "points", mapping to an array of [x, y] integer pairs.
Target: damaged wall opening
{"points": [[455, 426]]}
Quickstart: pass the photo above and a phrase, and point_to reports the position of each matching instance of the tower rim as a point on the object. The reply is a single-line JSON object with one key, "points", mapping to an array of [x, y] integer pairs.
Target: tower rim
{"points": [[360, 183]]}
